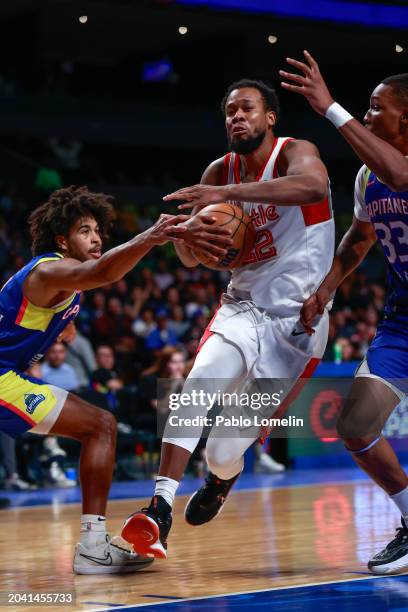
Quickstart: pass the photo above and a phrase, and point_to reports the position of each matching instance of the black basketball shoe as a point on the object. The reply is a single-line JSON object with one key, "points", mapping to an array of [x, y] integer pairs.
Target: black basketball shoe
{"points": [[148, 529], [208, 501], [394, 557]]}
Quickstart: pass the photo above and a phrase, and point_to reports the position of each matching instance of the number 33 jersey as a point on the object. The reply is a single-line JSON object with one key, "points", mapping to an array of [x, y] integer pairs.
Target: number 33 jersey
{"points": [[387, 210], [294, 244]]}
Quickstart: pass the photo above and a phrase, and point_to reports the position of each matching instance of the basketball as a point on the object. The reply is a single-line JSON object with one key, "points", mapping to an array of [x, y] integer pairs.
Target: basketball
{"points": [[243, 234]]}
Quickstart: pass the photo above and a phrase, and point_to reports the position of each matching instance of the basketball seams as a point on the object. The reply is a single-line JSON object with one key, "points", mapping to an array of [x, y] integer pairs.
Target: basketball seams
{"points": [[231, 214]]}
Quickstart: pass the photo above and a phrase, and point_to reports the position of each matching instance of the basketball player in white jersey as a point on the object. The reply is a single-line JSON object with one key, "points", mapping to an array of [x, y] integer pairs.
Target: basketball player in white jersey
{"points": [[256, 333]]}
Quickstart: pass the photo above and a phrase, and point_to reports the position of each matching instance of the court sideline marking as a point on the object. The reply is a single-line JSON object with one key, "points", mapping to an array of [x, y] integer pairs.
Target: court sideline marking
{"points": [[202, 597]]}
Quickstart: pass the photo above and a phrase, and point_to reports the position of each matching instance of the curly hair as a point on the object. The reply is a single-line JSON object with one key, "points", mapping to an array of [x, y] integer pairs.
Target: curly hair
{"points": [[63, 209]]}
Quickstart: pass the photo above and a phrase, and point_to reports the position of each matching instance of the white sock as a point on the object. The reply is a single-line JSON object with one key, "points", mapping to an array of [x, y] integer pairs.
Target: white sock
{"points": [[166, 487], [401, 501], [93, 530]]}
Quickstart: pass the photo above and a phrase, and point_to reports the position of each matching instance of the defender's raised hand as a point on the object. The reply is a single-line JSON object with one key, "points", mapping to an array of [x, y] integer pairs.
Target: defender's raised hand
{"points": [[310, 83], [167, 228]]}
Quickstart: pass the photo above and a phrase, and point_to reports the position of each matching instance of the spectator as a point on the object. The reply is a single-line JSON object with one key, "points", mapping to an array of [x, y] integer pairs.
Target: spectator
{"points": [[13, 481], [162, 277], [161, 336], [171, 364], [105, 379], [114, 326], [198, 305], [80, 355], [56, 372], [177, 322], [346, 349], [144, 325]]}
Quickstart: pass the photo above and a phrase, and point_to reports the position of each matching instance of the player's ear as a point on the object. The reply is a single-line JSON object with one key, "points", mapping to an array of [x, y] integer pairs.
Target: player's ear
{"points": [[271, 118], [404, 120], [61, 243]]}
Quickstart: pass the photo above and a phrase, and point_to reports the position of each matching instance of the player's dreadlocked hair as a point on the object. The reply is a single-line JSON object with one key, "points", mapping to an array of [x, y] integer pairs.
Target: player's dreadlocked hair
{"points": [[269, 95], [399, 84], [63, 209]]}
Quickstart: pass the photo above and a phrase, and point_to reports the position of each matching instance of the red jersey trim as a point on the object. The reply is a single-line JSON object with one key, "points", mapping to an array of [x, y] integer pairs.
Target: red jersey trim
{"points": [[21, 311], [316, 213], [275, 172], [207, 332], [225, 169], [237, 163]]}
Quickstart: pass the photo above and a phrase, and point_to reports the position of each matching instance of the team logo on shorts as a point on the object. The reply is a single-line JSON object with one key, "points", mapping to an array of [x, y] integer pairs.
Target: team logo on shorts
{"points": [[32, 400]]}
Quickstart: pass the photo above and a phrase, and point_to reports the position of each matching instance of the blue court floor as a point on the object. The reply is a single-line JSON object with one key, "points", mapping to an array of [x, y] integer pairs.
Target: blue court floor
{"points": [[357, 592], [375, 594]]}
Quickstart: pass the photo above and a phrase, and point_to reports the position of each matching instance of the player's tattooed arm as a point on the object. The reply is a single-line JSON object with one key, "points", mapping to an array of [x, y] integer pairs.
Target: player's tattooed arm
{"points": [[383, 159], [304, 181], [351, 251]]}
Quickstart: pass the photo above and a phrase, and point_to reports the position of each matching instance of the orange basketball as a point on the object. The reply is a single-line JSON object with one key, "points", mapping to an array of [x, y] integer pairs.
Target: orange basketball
{"points": [[243, 235]]}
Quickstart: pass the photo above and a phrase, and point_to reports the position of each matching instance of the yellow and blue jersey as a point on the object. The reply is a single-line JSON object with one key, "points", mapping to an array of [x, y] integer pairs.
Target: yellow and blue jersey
{"points": [[27, 330]]}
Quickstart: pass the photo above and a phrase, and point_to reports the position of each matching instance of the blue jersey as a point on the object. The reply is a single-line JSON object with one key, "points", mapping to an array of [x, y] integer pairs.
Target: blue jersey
{"points": [[26, 330], [387, 210]]}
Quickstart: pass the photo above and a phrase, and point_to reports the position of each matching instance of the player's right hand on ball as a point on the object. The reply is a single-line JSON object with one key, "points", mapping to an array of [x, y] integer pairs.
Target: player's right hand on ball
{"points": [[313, 306], [167, 228], [202, 233]]}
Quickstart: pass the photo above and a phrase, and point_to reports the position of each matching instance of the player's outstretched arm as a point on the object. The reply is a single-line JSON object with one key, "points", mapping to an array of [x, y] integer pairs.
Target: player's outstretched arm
{"points": [[351, 251], [384, 160], [305, 182], [70, 274]]}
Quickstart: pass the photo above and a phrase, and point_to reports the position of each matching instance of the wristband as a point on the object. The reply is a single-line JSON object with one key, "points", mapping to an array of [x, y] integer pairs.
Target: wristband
{"points": [[338, 115]]}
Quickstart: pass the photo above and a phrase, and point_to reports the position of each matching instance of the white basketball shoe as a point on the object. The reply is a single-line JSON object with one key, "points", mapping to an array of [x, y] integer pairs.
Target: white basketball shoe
{"points": [[110, 557]]}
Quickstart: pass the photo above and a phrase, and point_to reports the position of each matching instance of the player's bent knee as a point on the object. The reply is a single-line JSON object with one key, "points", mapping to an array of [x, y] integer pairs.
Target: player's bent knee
{"points": [[106, 424], [220, 457], [361, 445]]}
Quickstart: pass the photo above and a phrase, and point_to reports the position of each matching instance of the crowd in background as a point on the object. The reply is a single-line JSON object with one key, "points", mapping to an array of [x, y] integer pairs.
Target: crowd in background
{"points": [[144, 327]]}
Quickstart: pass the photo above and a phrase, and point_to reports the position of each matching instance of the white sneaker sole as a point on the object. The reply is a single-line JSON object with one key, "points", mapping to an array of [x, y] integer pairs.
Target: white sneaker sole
{"points": [[111, 569], [390, 568], [143, 532]]}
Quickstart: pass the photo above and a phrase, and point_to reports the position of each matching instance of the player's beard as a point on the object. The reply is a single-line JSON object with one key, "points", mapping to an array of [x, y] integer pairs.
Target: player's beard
{"points": [[243, 146]]}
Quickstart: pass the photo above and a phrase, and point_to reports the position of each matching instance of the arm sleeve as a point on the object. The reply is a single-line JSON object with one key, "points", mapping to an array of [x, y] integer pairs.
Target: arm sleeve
{"points": [[360, 209]]}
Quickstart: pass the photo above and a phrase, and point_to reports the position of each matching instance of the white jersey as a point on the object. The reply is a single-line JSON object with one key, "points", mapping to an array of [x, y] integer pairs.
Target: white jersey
{"points": [[294, 246]]}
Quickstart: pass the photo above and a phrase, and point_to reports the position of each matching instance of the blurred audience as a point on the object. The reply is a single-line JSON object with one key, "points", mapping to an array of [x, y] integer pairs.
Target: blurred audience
{"points": [[56, 371], [148, 326]]}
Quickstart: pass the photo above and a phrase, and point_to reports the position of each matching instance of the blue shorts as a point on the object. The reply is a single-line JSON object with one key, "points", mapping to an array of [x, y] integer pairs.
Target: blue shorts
{"points": [[387, 356], [28, 404]]}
